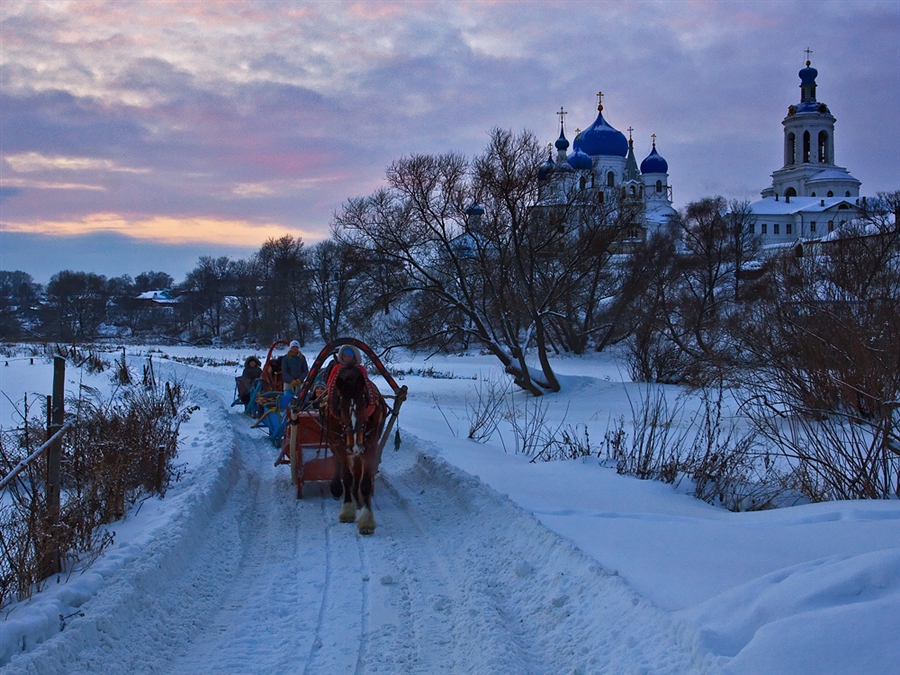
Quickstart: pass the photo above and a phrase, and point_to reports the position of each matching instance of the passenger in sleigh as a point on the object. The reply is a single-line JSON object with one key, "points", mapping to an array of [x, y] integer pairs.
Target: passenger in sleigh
{"points": [[347, 355], [251, 373], [294, 368]]}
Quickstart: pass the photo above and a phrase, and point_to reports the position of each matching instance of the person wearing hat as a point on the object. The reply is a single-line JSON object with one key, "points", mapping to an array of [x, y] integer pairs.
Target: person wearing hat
{"points": [[251, 373], [294, 368]]}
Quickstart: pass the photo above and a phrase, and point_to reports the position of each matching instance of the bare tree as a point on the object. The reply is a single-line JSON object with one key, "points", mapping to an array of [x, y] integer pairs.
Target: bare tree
{"points": [[76, 304], [281, 266], [825, 346], [334, 288], [479, 252], [208, 285]]}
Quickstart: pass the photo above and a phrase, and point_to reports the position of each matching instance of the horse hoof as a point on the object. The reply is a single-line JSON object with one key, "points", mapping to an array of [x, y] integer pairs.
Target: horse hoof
{"points": [[366, 523], [348, 513]]}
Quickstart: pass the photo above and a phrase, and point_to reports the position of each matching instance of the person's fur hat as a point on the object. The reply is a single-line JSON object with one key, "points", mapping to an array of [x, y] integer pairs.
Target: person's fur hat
{"points": [[296, 344], [352, 349]]}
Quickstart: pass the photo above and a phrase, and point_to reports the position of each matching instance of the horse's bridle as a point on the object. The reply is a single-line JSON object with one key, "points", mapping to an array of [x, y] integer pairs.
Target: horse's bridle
{"points": [[355, 434]]}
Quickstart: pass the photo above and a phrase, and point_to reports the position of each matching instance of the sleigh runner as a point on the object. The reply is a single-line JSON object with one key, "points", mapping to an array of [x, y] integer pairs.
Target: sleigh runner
{"points": [[309, 437]]}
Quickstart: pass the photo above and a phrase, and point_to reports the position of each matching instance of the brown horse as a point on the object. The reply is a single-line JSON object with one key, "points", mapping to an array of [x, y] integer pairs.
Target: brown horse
{"points": [[355, 420]]}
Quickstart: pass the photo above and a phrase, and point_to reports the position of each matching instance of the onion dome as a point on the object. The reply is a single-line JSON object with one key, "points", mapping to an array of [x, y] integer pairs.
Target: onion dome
{"points": [[654, 163], [602, 139], [475, 209], [545, 170], [562, 143], [808, 103], [808, 75], [580, 161]]}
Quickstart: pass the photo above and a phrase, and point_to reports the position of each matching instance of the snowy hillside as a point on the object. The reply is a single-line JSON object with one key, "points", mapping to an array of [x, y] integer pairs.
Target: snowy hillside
{"points": [[483, 562]]}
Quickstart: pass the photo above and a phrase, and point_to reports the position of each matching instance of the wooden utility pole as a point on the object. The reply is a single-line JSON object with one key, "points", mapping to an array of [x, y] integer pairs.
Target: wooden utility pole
{"points": [[51, 563]]}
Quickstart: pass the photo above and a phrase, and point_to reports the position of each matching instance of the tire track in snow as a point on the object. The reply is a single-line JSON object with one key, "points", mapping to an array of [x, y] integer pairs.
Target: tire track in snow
{"points": [[520, 599]]}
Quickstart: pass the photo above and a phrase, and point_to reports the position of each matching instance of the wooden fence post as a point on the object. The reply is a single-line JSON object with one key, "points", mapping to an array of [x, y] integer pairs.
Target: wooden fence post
{"points": [[51, 563]]}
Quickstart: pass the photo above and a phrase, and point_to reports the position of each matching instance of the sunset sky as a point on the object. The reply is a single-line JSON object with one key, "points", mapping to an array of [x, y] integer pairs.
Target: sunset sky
{"points": [[139, 136]]}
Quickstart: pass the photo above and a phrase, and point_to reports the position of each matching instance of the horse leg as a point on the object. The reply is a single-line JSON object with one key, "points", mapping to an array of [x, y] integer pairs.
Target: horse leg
{"points": [[336, 486], [348, 508], [366, 522]]}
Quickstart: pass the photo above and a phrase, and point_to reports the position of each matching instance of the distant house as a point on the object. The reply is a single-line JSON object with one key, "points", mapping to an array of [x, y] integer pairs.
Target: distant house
{"points": [[159, 298]]}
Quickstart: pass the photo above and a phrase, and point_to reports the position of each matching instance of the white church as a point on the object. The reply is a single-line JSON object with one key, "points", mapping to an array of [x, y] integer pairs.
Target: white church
{"points": [[810, 195], [603, 161]]}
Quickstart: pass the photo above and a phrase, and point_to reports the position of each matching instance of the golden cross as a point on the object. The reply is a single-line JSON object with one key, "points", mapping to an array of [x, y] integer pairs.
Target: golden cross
{"points": [[600, 100], [561, 114], [653, 136], [808, 52]]}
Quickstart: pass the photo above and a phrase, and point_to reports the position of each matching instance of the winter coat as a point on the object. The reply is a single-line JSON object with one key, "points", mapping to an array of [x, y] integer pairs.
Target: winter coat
{"points": [[294, 367], [252, 372]]}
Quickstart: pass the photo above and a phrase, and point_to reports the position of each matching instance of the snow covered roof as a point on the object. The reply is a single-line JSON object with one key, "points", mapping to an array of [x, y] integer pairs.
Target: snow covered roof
{"points": [[158, 296], [832, 175], [769, 206]]}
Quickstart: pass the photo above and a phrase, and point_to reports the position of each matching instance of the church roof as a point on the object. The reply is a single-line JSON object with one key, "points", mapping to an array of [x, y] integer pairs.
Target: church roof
{"points": [[654, 163], [601, 139], [832, 175], [780, 207]]}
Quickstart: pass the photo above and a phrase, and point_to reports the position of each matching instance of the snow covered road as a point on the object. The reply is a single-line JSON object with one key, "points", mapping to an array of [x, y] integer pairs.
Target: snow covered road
{"points": [[244, 578]]}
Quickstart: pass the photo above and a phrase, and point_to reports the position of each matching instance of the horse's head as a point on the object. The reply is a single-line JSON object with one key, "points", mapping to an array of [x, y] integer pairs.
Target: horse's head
{"points": [[349, 405]]}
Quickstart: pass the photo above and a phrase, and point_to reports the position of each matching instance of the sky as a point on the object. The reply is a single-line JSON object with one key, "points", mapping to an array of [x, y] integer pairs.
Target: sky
{"points": [[139, 136], [481, 562]]}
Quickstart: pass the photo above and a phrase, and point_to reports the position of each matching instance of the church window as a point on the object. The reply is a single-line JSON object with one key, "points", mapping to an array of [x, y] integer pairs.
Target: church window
{"points": [[830, 194], [788, 228], [776, 228], [600, 196], [790, 148], [823, 147], [659, 186], [847, 193], [812, 226], [806, 147], [610, 179], [763, 229], [752, 228], [583, 182], [633, 191], [831, 226], [812, 194]]}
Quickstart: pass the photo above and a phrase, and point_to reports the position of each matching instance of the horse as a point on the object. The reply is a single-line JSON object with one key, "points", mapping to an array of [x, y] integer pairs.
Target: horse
{"points": [[354, 421]]}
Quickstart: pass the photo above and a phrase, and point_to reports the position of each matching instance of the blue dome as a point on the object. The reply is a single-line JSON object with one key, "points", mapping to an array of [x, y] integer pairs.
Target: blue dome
{"points": [[808, 75], [546, 169], [579, 161], [562, 143], [654, 163], [601, 139]]}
